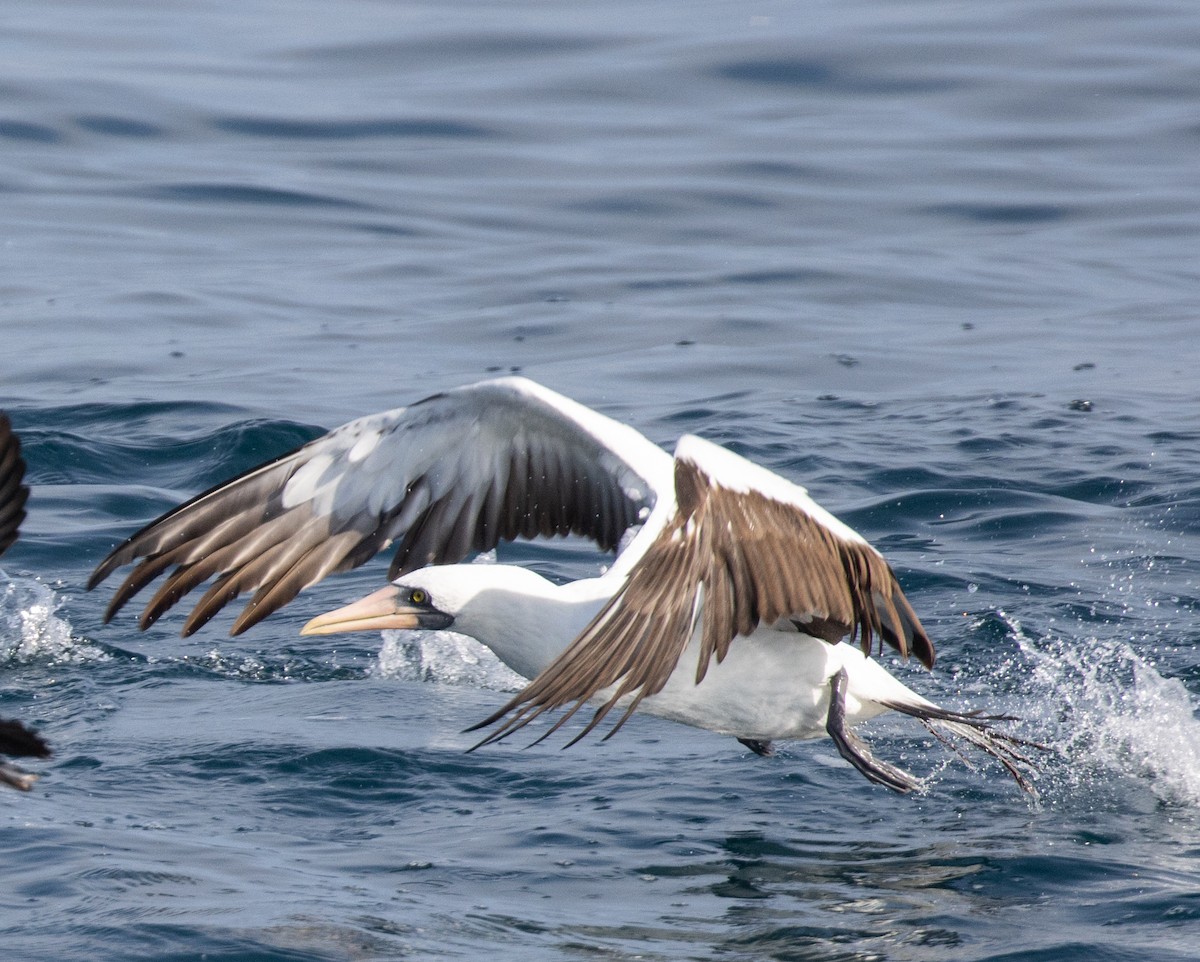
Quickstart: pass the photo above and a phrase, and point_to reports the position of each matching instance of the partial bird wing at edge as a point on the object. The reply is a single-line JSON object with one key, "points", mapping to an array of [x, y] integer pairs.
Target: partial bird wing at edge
{"points": [[13, 493], [15, 737], [745, 548], [455, 473]]}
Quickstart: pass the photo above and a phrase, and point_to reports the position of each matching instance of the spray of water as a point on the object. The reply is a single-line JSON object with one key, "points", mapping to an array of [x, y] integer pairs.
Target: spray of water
{"points": [[32, 630], [444, 657], [1109, 712]]}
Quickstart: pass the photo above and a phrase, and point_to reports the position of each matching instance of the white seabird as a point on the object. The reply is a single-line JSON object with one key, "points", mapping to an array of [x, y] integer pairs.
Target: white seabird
{"points": [[733, 605], [15, 737]]}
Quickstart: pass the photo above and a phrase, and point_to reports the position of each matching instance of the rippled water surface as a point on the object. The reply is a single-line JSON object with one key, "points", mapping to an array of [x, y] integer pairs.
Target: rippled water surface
{"points": [[936, 261]]}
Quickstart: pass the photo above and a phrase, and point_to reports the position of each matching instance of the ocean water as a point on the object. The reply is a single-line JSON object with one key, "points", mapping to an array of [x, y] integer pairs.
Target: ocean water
{"points": [[936, 261]]}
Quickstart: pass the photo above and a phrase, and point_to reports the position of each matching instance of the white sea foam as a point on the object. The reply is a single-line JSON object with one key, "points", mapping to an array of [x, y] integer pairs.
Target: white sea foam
{"points": [[1109, 711], [445, 657], [31, 628]]}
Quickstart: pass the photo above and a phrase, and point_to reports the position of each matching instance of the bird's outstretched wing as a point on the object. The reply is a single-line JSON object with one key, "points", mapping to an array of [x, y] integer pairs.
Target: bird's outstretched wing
{"points": [[745, 548], [455, 473], [15, 737], [13, 492]]}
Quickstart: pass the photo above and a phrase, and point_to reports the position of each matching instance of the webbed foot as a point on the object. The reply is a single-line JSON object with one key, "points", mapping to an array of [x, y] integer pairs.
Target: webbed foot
{"points": [[854, 749]]}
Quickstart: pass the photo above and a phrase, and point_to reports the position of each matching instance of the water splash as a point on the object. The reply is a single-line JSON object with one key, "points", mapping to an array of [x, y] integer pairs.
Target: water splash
{"points": [[240, 666], [445, 657], [31, 629], [1109, 711]]}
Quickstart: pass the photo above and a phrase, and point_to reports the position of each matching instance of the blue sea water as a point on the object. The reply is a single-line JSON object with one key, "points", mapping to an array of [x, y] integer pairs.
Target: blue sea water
{"points": [[936, 261]]}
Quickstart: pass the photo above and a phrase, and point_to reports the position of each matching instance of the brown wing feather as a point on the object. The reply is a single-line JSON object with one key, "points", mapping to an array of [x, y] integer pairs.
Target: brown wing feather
{"points": [[735, 559], [452, 474], [13, 493]]}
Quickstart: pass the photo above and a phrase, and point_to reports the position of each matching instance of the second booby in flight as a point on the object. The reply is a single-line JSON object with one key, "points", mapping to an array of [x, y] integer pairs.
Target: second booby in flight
{"points": [[735, 603], [15, 738]]}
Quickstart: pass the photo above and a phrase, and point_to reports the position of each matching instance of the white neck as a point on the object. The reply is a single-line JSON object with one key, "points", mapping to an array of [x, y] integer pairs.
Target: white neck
{"points": [[521, 616]]}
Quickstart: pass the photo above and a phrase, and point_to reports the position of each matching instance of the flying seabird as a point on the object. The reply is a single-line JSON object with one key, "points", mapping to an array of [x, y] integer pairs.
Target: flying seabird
{"points": [[735, 602], [15, 738]]}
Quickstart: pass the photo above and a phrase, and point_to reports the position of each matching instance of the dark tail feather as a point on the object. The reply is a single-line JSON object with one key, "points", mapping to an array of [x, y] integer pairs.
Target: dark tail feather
{"points": [[979, 731]]}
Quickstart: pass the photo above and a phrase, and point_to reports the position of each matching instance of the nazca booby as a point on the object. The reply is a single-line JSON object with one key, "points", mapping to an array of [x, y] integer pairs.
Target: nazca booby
{"points": [[733, 604], [15, 738]]}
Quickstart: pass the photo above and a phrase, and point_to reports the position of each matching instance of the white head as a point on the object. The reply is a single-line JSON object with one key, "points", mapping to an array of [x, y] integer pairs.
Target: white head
{"points": [[498, 605]]}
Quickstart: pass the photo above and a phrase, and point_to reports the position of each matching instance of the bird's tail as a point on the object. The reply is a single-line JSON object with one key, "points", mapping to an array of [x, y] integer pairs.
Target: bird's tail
{"points": [[951, 728]]}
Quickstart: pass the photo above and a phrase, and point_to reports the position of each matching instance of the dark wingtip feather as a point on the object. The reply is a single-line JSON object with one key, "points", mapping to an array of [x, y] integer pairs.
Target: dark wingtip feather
{"points": [[264, 603], [219, 594], [106, 567], [926, 654], [177, 521], [13, 493], [145, 572], [911, 629]]}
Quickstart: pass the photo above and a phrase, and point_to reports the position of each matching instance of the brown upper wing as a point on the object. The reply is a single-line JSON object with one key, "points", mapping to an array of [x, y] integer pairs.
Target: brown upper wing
{"points": [[733, 559]]}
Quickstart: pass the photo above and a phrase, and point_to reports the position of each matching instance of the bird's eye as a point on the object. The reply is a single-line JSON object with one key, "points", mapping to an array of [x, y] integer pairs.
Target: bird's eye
{"points": [[418, 596]]}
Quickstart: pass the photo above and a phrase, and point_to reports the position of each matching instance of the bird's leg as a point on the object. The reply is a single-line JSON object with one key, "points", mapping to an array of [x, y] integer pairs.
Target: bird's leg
{"points": [[854, 749], [758, 746]]}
